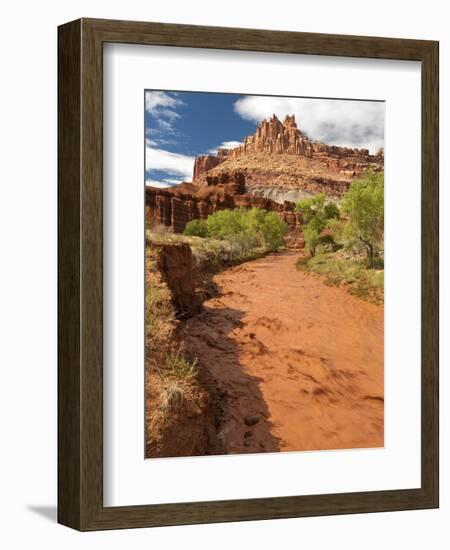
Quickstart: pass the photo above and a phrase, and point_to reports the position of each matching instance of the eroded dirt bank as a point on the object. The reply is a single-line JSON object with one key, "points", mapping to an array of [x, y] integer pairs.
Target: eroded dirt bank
{"points": [[298, 364]]}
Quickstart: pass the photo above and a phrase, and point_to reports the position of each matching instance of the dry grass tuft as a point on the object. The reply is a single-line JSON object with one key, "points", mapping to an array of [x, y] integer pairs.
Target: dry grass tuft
{"points": [[173, 397]]}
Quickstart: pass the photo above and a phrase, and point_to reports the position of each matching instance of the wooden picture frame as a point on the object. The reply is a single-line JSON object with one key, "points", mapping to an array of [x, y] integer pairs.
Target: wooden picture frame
{"points": [[80, 271]]}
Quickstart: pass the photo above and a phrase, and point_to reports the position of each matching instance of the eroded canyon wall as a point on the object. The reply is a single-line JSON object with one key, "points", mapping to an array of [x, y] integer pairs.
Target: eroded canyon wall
{"points": [[175, 207], [275, 137]]}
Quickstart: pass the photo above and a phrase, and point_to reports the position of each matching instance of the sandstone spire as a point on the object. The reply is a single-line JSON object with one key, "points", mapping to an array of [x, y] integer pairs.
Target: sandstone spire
{"points": [[275, 137]]}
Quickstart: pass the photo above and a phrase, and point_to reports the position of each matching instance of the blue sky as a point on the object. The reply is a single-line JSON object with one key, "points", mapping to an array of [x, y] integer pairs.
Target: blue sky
{"points": [[181, 125]]}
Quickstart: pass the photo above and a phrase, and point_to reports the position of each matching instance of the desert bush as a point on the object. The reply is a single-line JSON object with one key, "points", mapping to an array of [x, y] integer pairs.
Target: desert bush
{"points": [[317, 213], [244, 229], [273, 230], [196, 228], [211, 254], [331, 211], [364, 205], [312, 238], [335, 227], [175, 364], [318, 210], [343, 269], [224, 224]]}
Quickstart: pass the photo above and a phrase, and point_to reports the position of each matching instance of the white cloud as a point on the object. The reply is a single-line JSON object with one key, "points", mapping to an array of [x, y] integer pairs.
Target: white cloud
{"points": [[154, 139], [155, 101], [336, 122], [152, 142], [178, 167], [162, 106], [165, 125], [225, 145]]}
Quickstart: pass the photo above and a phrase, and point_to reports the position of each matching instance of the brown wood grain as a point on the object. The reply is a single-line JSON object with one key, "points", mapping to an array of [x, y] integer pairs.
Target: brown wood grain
{"points": [[80, 265], [69, 244]]}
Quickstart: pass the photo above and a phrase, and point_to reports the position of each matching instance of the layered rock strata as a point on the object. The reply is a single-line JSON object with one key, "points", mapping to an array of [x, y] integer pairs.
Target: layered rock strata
{"points": [[176, 206], [275, 137]]}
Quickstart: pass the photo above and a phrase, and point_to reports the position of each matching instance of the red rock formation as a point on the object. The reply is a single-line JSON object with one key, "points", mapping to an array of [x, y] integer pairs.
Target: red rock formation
{"points": [[178, 271], [275, 137], [176, 206], [205, 163]]}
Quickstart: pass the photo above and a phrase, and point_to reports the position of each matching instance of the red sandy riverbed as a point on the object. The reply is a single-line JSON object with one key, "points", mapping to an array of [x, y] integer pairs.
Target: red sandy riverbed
{"points": [[299, 364]]}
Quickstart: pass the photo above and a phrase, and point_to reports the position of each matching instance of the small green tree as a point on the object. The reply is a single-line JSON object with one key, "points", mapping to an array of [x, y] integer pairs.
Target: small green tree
{"points": [[196, 228], [312, 238], [316, 214], [223, 224], [311, 208], [364, 205], [235, 227], [273, 230], [331, 211]]}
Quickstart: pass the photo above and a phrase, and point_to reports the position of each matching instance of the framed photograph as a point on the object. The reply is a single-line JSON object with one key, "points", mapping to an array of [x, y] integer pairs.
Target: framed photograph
{"points": [[248, 274]]}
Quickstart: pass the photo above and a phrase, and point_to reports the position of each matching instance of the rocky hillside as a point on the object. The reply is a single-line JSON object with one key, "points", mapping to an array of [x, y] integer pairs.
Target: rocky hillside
{"points": [[284, 177], [280, 156]]}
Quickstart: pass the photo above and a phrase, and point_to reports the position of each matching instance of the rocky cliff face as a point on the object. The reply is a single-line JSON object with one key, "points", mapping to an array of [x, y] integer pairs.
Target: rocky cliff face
{"points": [[176, 206], [203, 164], [177, 268], [273, 137]]}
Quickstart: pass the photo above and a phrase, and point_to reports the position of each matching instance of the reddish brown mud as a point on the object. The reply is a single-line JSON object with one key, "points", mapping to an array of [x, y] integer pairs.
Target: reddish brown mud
{"points": [[298, 364]]}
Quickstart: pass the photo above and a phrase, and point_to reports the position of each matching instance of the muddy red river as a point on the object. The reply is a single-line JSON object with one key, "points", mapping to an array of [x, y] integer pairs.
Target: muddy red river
{"points": [[298, 364]]}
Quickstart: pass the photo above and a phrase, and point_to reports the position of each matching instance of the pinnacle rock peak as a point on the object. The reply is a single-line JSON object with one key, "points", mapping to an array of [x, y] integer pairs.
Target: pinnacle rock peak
{"points": [[290, 121], [273, 137]]}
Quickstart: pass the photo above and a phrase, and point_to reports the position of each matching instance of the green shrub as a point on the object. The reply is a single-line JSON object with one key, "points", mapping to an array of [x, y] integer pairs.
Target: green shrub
{"points": [[317, 215], [175, 364], [312, 238], [341, 269], [273, 230], [196, 228], [211, 254], [225, 224], [364, 205], [244, 229], [331, 211], [316, 209]]}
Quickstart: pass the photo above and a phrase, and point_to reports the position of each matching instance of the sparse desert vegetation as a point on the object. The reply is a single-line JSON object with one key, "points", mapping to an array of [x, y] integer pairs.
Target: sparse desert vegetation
{"points": [[346, 243], [246, 232], [175, 397], [343, 270], [210, 254]]}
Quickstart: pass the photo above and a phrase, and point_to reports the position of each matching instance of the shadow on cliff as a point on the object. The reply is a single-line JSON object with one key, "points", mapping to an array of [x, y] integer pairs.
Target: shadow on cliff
{"points": [[242, 416]]}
